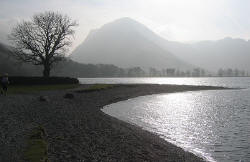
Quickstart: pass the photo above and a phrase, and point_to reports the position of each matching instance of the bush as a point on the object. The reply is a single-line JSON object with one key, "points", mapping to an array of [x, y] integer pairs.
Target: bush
{"points": [[21, 80]]}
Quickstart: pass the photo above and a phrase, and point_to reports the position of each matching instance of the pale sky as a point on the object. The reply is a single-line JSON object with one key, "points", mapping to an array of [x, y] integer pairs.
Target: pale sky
{"points": [[177, 20]]}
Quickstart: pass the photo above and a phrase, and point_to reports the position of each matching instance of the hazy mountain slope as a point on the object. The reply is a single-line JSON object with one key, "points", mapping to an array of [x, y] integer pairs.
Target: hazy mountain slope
{"points": [[125, 43], [212, 55], [9, 65], [226, 53]]}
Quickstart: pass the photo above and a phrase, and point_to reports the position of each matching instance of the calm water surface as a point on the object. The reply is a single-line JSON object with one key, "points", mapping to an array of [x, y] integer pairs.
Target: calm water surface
{"points": [[213, 124], [214, 81]]}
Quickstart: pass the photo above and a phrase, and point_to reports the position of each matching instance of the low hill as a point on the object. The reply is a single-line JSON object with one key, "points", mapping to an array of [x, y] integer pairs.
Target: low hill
{"points": [[10, 65]]}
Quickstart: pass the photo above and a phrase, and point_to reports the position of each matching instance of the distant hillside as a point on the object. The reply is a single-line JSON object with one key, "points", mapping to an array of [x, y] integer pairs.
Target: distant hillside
{"points": [[212, 55], [225, 53], [126, 43], [9, 65]]}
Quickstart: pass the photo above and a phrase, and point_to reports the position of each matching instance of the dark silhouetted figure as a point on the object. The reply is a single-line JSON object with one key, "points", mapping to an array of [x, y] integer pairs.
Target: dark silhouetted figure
{"points": [[4, 84]]}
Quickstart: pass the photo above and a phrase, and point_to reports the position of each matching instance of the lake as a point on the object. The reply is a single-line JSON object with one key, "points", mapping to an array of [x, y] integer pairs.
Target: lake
{"points": [[213, 124], [238, 82]]}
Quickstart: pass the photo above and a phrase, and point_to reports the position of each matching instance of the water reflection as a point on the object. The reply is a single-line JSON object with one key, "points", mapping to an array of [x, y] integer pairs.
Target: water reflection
{"points": [[236, 82], [213, 124]]}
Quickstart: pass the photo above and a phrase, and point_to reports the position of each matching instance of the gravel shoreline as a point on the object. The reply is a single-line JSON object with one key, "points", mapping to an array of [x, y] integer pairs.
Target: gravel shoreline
{"points": [[78, 131]]}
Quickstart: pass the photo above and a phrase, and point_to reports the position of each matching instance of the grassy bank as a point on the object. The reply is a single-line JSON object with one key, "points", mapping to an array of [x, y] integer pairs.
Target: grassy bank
{"points": [[14, 89]]}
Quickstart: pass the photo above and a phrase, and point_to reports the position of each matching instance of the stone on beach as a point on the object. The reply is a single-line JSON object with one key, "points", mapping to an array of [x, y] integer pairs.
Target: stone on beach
{"points": [[44, 98], [69, 96]]}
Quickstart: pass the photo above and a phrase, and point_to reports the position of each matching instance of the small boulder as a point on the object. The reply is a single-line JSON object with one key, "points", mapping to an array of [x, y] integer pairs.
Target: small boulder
{"points": [[69, 96], [43, 98]]}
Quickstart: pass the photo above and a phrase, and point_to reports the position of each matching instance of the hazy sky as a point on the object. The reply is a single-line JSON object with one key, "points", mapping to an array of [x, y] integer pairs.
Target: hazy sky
{"points": [[179, 20]]}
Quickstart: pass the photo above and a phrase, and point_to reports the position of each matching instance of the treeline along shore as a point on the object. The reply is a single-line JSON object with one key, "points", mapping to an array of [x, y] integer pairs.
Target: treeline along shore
{"points": [[68, 126]]}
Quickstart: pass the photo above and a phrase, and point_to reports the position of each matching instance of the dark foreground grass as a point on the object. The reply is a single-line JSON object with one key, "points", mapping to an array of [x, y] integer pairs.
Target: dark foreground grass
{"points": [[37, 88]]}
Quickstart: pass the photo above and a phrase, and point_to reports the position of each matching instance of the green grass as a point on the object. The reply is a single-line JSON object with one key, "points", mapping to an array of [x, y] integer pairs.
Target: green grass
{"points": [[37, 149], [38, 88]]}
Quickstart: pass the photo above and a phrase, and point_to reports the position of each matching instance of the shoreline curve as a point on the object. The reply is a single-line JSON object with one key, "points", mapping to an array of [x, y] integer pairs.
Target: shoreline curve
{"points": [[78, 130]]}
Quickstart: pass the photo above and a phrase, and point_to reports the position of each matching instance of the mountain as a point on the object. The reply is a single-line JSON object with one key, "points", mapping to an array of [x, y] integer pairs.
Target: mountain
{"points": [[224, 53], [212, 55], [126, 43]]}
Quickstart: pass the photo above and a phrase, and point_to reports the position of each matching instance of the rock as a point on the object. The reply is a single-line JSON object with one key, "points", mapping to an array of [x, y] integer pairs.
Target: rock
{"points": [[69, 95], [43, 98]]}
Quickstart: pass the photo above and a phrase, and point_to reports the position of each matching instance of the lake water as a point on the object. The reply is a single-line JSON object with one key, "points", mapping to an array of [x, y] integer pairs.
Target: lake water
{"points": [[243, 82], [213, 124]]}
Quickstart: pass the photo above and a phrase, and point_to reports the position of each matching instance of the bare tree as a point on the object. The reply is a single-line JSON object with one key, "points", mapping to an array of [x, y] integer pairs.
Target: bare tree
{"points": [[43, 40]]}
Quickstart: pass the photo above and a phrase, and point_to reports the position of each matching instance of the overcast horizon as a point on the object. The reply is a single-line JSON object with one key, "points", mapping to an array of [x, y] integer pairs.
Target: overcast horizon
{"points": [[184, 21]]}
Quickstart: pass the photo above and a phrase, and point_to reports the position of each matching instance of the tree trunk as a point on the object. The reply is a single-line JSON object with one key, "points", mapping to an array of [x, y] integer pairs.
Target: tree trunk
{"points": [[46, 71]]}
